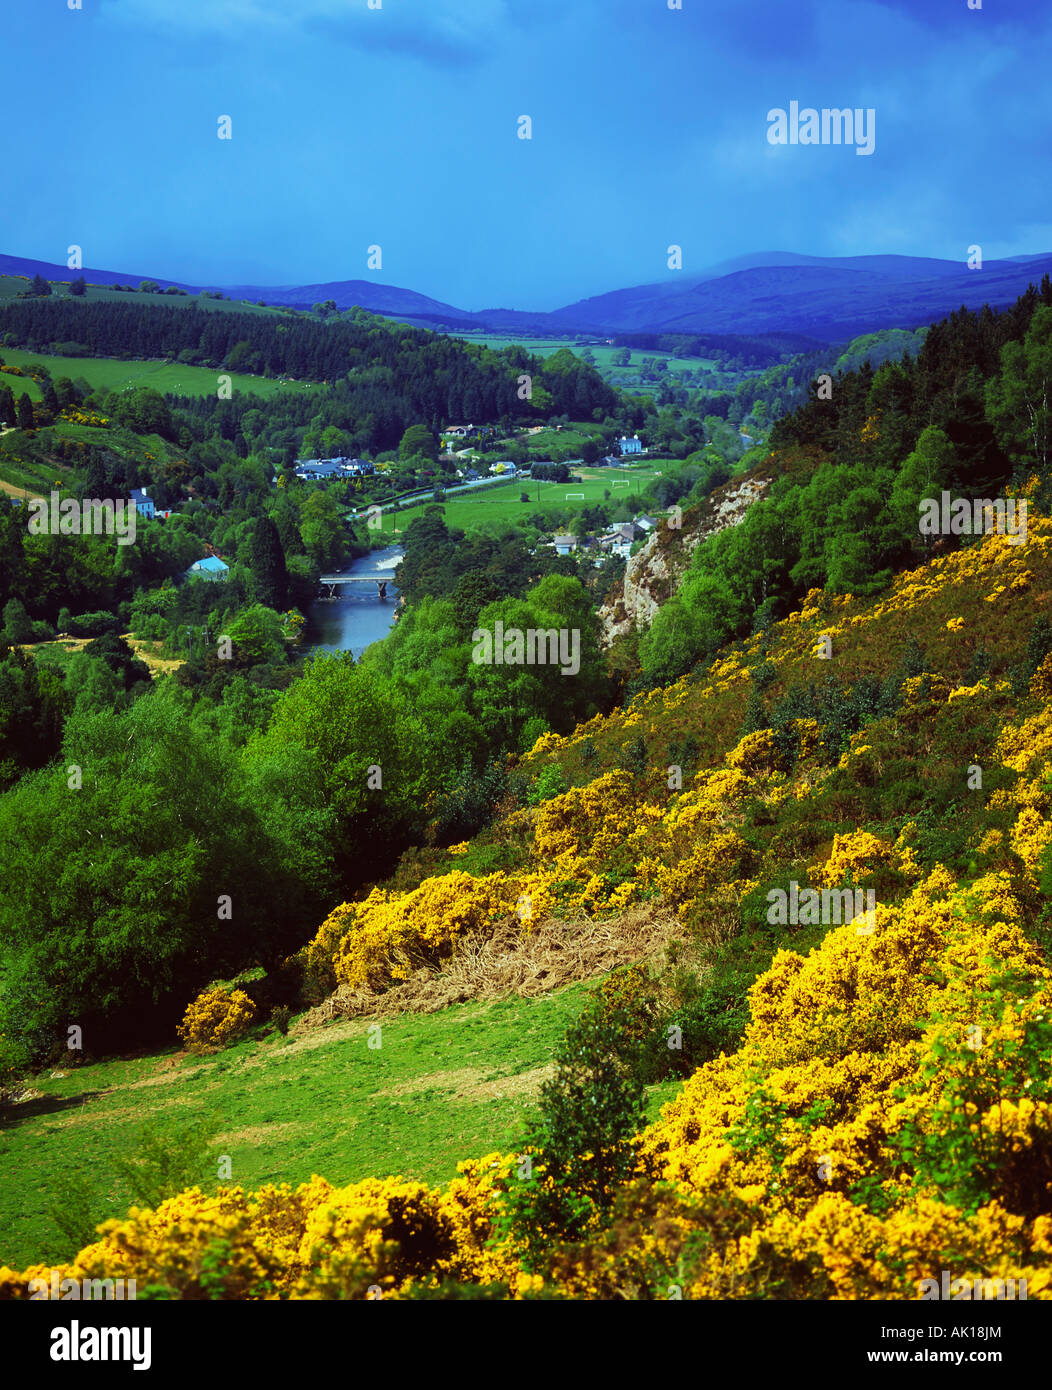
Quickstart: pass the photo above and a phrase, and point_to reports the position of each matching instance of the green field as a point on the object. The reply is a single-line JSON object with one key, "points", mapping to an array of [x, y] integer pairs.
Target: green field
{"points": [[602, 352], [115, 375], [441, 1087], [500, 502]]}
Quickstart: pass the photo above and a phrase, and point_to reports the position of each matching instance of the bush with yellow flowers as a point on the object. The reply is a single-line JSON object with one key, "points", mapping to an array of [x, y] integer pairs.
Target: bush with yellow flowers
{"points": [[394, 934], [215, 1018]]}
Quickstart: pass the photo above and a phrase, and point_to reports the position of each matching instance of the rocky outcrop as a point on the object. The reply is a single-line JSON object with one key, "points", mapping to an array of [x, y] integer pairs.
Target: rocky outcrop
{"points": [[656, 571]]}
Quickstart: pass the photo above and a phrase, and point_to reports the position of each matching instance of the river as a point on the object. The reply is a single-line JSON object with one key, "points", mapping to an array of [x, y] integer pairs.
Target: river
{"points": [[353, 623]]}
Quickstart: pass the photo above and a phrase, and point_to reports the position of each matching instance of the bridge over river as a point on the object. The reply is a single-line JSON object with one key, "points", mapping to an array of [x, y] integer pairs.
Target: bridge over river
{"points": [[329, 583]]}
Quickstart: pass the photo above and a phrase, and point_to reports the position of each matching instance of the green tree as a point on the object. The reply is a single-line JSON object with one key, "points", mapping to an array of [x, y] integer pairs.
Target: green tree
{"points": [[33, 705], [143, 865], [371, 750], [79, 287], [26, 417], [142, 409], [418, 441], [256, 635], [267, 562], [322, 530], [1019, 401], [584, 1144], [925, 473], [18, 626]]}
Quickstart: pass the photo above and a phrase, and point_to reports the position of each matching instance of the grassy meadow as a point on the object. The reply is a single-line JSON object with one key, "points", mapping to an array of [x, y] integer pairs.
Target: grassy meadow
{"points": [[111, 374], [440, 1088]]}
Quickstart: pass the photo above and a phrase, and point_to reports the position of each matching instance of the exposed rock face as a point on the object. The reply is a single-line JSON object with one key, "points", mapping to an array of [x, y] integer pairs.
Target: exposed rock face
{"points": [[656, 571]]}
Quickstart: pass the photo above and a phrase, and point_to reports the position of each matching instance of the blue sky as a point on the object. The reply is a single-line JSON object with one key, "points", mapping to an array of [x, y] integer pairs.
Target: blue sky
{"points": [[355, 126]]}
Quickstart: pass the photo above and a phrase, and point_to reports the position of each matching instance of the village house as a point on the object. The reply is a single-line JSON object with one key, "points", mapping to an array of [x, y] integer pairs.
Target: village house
{"points": [[209, 567], [630, 444], [143, 502], [315, 470]]}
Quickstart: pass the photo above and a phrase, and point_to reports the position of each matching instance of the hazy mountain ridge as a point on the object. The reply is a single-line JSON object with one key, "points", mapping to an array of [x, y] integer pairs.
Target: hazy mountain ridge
{"points": [[826, 298]]}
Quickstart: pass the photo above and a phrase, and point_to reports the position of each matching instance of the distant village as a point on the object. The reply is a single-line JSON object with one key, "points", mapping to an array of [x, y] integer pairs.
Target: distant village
{"points": [[616, 539]]}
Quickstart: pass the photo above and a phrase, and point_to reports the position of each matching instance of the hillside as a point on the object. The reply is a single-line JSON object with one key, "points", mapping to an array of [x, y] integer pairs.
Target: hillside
{"points": [[829, 1067]]}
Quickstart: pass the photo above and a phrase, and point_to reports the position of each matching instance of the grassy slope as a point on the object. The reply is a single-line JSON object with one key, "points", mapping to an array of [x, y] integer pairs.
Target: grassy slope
{"points": [[108, 372], [24, 472], [441, 1087]]}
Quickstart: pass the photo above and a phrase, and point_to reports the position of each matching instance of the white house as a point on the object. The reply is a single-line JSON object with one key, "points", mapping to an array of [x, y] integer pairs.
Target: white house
{"points": [[314, 470], [143, 502], [630, 444]]}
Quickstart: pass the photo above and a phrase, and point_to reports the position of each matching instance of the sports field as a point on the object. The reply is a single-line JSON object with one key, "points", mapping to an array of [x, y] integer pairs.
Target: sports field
{"points": [[502, 501]]}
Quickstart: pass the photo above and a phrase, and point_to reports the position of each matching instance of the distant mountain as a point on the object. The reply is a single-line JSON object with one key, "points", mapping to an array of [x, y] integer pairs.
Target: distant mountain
{"points": [[346, 294], [379, 299], [829, 299], [823, 298]]}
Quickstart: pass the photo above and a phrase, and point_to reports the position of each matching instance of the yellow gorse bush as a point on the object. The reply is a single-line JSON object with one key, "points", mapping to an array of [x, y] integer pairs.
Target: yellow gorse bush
{"points": [[215, 1018]]}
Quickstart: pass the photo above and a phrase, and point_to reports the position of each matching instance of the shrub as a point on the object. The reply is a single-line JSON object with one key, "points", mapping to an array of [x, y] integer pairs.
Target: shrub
{"points": [[635, 752], [74, 1207], [215, 1018], [92, 624], [583, 1145], [550, 784], [626, 999]]}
